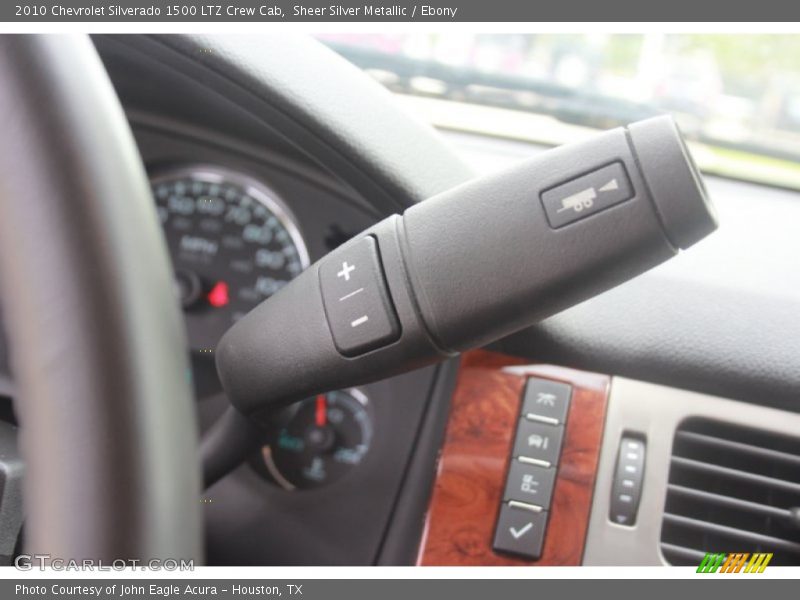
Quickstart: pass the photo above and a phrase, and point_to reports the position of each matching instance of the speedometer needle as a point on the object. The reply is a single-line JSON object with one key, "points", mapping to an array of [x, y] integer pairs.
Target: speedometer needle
{"points": [[321, 411]]}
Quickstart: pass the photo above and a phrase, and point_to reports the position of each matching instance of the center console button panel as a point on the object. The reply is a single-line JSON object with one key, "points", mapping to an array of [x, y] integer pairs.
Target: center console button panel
{"points": [[530, 481]]}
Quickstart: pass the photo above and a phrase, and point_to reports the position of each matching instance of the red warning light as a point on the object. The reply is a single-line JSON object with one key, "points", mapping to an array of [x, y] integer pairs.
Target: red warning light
{"points": [[218, 296]]}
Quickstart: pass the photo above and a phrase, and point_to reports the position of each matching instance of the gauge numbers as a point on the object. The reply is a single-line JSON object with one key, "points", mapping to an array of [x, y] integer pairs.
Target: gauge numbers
{"points": [[233, 243]]}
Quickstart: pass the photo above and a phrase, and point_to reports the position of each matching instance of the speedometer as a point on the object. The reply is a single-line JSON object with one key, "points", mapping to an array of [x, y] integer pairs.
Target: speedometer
{"points": [[233, 243]]}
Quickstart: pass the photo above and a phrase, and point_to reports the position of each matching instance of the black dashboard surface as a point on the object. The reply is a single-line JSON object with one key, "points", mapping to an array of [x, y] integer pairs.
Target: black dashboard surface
{"points": [[722, 318]]}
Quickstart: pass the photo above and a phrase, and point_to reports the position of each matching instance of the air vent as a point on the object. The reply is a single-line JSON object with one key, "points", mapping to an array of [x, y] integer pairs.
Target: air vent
{"points": [[731, 489]]}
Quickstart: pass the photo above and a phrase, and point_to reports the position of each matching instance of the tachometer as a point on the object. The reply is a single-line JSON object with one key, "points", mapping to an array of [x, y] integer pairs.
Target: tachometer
{"points": [[233, 243]]}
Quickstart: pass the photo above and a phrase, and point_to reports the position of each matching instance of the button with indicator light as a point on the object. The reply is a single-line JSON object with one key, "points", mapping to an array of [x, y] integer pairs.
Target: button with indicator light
{"points": [[539, 441], [546, 401], [531, 484]]}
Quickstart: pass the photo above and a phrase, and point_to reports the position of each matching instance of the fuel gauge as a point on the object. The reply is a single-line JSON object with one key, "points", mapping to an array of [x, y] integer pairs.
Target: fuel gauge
{"points": [[319, 440]]}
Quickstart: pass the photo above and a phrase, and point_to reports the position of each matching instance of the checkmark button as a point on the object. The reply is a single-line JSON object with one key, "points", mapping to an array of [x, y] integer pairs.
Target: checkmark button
{"points": [[520, 531]]}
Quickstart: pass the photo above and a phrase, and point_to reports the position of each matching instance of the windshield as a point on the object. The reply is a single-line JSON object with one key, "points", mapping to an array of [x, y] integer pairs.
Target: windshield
{"points": [[737, 98]]}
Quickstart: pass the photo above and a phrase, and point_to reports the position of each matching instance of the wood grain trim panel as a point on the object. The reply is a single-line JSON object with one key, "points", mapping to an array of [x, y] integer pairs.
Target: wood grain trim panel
{"points": [[466, 498]]}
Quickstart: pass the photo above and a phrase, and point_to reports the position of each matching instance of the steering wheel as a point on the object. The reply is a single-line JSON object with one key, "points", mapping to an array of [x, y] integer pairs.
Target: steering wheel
{"points": [[108, 430], [103, 391]]}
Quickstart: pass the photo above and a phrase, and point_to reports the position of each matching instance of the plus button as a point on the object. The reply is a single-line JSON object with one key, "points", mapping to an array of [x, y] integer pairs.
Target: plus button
{"points": [[346, 270]]}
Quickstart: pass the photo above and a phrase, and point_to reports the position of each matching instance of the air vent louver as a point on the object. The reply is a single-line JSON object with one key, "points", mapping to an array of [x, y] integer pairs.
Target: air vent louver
{"points": [[731, 490]]}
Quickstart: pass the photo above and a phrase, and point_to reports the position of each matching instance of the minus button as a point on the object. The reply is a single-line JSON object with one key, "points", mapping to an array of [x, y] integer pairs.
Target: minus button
{"points": [[359, 321]]}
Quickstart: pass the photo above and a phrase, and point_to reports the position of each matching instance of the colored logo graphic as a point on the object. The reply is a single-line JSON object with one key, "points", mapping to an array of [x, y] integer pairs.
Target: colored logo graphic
{"points": [[722, 562]]}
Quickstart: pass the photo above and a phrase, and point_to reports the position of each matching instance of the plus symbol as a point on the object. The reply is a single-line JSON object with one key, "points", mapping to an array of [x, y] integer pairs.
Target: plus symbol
{"points": [[346, 270]]}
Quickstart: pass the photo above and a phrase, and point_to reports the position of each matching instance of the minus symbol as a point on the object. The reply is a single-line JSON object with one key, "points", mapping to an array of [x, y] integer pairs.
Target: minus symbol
{"points": [[351, 294], [359, 321]]}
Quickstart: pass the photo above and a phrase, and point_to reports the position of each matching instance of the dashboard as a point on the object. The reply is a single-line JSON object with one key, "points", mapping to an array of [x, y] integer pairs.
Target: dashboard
{"points": [[240, 221], [343, 478], [346, 477]]}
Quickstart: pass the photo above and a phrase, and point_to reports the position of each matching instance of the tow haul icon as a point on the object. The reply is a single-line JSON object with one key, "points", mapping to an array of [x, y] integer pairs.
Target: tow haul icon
{"points": [[585, 198]]}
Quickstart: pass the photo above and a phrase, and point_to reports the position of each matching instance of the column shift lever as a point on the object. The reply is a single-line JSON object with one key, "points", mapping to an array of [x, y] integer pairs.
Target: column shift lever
{"points": [[467, 267]]}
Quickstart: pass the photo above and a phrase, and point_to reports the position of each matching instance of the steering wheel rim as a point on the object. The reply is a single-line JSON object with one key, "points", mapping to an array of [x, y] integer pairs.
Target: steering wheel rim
{"points": [[103, 394]]}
